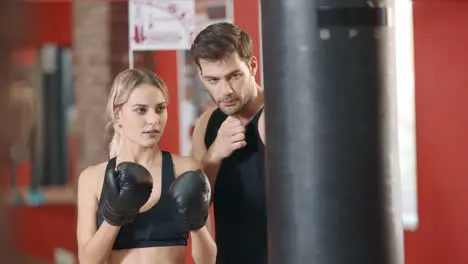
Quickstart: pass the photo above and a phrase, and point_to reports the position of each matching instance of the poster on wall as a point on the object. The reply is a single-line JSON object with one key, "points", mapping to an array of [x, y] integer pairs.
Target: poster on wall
{"points": [[406, 112], [193, 99], [161, 24]]}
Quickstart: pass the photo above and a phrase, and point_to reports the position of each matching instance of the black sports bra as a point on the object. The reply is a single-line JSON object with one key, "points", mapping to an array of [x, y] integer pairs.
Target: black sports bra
{"points": [[160, 226]]}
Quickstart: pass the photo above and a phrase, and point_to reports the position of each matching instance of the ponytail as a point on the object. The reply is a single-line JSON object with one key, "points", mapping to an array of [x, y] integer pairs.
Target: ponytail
{"points": [[114, 145]]}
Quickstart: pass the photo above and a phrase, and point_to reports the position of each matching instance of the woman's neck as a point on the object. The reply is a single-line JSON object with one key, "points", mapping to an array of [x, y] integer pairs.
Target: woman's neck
{"points": [[134, 153]]}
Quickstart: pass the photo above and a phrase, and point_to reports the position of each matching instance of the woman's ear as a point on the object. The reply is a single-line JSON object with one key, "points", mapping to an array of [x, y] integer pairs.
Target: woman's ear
{"points": [[116, 122], [117, 115]]}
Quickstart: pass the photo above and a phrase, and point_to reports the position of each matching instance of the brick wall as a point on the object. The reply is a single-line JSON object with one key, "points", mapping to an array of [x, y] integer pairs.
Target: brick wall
{"points": [[100, 43], [91, 41]]}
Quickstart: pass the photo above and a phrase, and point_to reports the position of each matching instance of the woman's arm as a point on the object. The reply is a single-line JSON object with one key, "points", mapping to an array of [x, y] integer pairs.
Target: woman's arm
{"points": [[204, 248], [94, 246]]}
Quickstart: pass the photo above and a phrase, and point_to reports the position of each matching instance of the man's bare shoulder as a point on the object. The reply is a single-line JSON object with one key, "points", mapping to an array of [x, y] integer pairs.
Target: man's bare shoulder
{"points": [[198, 136], [203, 119]]}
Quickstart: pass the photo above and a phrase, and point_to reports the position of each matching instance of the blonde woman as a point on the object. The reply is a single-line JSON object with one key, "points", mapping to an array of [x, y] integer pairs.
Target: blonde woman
{"points": [[140, 206]]}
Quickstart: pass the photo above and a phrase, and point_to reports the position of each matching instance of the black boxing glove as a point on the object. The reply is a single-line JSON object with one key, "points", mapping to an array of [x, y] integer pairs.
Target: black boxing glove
{"points": [[128, 188], [191, 191]]}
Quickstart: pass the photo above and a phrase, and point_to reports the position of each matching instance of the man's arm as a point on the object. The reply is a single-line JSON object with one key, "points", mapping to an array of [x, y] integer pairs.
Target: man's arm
{"points": [[209, 160], [261, 127]]}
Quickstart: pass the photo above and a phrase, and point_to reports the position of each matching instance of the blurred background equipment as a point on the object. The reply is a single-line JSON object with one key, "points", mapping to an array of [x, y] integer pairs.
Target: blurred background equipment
{"points": [[43, 91], [11, 13]]}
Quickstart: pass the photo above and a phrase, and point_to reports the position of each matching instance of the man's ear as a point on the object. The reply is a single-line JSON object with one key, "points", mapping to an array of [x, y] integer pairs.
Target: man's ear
{"points": [[253, 64]]}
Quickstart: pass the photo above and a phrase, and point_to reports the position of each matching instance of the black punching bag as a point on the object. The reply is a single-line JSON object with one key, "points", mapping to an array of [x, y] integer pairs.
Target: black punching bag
{"points": [[328, 193]]}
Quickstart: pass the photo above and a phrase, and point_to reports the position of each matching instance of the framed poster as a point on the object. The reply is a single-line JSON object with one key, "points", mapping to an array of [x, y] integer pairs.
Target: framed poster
{"points": [[161, 24]]}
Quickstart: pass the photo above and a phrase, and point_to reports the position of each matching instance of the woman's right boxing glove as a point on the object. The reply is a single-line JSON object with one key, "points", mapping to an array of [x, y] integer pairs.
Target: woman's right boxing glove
{"points": [[128, 188]]}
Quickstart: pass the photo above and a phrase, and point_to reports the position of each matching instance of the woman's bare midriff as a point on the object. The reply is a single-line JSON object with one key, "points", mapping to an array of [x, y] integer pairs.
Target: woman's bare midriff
{"points": [[153, 255]]}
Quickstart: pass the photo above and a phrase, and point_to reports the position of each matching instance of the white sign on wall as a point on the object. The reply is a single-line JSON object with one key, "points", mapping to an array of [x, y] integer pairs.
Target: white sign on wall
{"points": [[161, 24]]}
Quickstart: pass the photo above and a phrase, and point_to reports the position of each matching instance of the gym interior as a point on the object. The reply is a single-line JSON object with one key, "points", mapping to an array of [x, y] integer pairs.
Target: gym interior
{"points": [[42, 209]]}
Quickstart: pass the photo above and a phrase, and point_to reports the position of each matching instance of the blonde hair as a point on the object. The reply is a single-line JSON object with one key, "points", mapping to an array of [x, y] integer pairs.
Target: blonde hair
{"points": [[123, 86]]}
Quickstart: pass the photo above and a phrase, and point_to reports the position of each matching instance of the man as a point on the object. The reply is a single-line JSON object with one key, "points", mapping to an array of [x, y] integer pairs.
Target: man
{"points": [[230, 141]]}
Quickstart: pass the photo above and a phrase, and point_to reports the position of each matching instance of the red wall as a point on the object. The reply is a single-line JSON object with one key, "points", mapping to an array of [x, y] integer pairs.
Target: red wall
{"points": [[246, 17], [50, 28], [166, 68], [441, 62]]}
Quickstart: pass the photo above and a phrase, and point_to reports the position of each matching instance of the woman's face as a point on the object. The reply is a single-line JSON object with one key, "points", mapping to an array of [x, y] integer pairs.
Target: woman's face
{"points": [[143, 117]]}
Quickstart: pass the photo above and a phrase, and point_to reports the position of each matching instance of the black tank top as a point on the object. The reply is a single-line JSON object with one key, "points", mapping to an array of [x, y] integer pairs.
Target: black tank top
{"points": [[239, 198], [160, 226]]}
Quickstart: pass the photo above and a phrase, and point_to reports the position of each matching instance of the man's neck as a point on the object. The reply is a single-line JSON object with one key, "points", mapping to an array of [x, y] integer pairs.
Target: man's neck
{"points": [[252, 106]]}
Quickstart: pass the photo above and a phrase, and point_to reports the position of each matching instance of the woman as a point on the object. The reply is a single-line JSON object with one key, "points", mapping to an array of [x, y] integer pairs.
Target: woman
{"points": [[137, 109]]}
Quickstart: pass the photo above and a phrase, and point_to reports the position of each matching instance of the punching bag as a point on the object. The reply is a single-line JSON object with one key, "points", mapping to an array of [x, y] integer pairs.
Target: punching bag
{"points": [[328, 190]]}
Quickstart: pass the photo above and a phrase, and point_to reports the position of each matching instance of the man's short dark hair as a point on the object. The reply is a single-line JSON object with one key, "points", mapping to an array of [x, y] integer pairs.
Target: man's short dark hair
{"points": [[219, 41]]}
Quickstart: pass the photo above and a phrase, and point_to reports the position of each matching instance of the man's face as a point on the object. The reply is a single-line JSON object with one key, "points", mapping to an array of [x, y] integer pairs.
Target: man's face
{"points": [[230, 82]]}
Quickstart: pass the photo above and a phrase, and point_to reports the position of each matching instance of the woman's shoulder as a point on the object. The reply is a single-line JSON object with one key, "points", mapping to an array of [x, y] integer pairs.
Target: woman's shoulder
{"points": [[95, 169], [93, 174], [184, 163]]}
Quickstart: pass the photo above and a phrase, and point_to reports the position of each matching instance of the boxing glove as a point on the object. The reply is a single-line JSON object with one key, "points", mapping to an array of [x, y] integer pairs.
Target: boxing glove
{"points": [[192, 194], [128, 188]]}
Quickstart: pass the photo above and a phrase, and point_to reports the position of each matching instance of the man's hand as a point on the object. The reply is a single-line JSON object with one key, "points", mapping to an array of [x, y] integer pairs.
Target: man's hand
{"points": [[231, 136]]}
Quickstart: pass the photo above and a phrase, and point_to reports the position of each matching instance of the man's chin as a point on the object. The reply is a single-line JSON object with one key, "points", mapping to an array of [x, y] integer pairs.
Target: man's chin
{"points": [[231, 110]]}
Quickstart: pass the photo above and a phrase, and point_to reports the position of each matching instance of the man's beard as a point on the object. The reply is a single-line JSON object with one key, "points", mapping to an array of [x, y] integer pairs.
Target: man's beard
{"points": [[232, 110]]}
